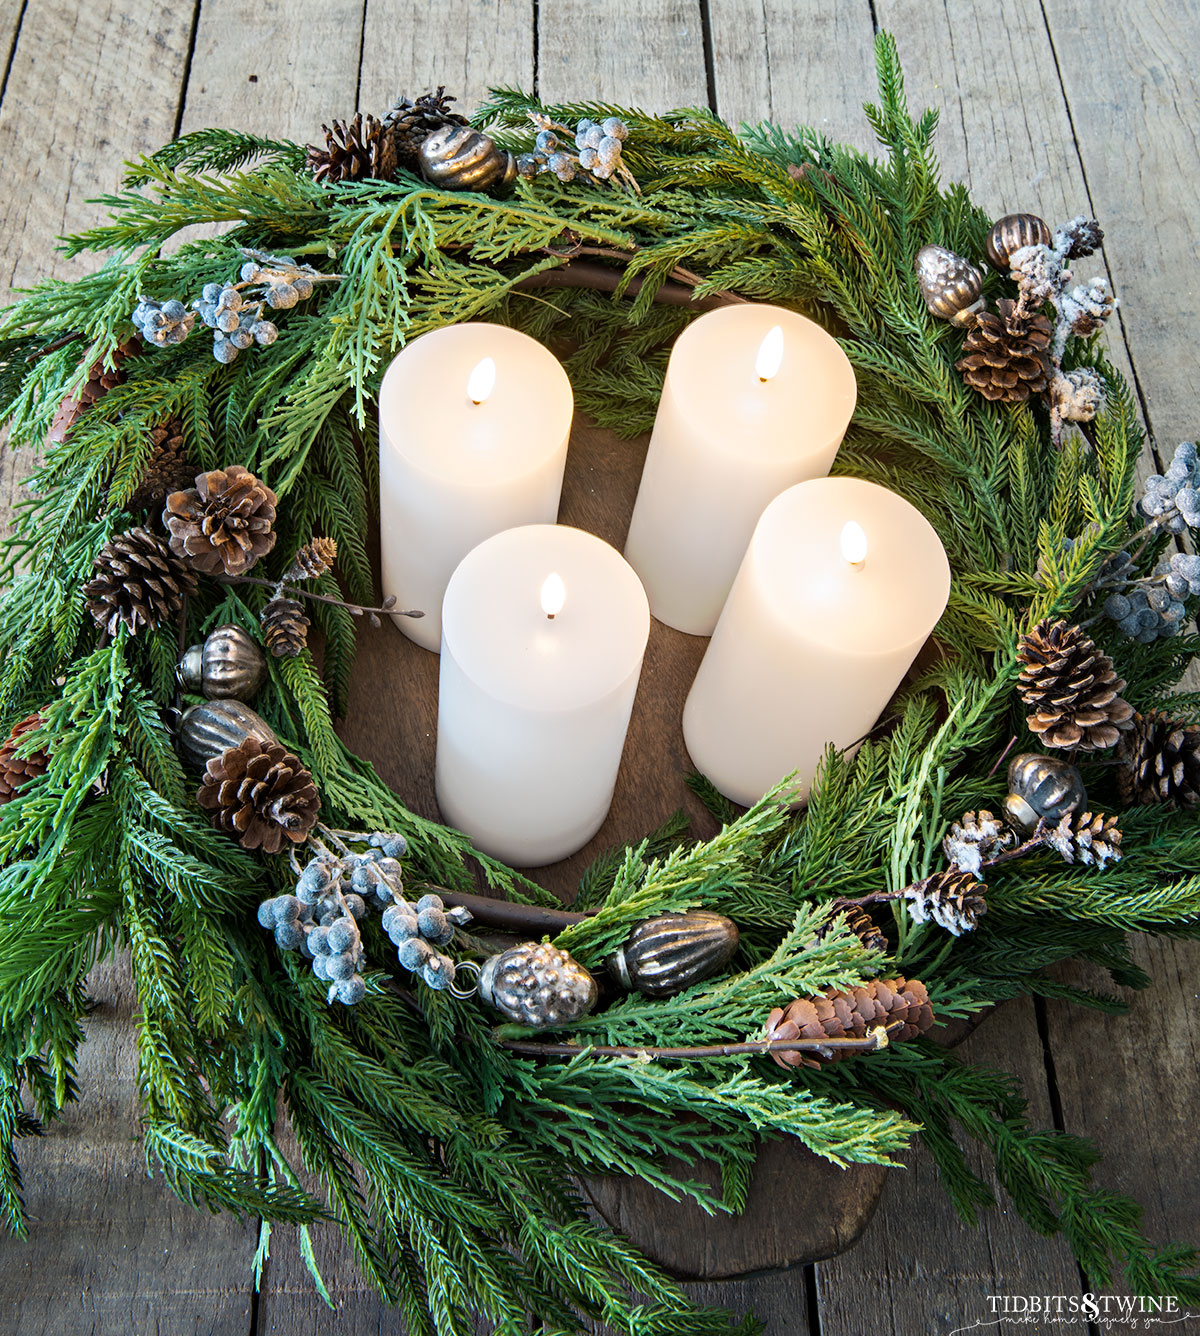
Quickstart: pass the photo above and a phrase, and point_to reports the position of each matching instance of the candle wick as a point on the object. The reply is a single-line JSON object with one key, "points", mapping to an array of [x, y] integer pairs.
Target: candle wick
{"points": [[550, 616]]}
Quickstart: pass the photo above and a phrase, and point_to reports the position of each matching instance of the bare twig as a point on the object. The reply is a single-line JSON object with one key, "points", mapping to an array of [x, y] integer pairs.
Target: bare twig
{"points": [[354, 609], [879, 1037], [488, 913]]}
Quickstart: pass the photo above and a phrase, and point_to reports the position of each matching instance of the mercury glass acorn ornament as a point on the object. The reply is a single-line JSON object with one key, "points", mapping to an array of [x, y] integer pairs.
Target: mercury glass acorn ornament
{"points": [[1042, 788], [952, 287], [537, 985], [457, 157], [1012, 233], [665, 955], [206, 731], [229, 663]]}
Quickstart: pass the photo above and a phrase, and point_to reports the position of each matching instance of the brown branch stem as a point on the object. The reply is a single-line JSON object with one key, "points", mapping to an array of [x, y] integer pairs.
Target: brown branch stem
{"points": [[355, 609], [535, 920], [878, 1038]]}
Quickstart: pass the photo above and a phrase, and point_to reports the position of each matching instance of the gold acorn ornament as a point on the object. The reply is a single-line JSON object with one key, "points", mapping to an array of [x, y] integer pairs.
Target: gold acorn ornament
{"points": [[663, 956], [1012, 233], [229, 663], [1042, 788], [952, 287], [456, 157]]}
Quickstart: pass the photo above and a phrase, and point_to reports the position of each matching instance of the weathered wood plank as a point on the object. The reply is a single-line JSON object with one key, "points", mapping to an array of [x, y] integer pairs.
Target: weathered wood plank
{"points": [[1130, 75], [411, 46], [928, 1272], [795, 62], [111, 1250], [1131, 84], [647, 53], [279, 66]]}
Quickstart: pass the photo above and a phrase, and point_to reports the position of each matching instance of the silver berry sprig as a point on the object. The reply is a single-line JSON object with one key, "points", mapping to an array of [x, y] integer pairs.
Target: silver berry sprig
{"points": [[592, 148]]}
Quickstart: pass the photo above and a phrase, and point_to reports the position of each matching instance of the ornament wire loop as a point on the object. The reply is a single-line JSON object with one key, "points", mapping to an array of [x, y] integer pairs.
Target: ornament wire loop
{"points": [[464, 993]]}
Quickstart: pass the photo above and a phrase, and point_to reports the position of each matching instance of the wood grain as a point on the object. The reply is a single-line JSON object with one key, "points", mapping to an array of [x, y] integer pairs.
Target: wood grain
{"points": [[411, 46]]}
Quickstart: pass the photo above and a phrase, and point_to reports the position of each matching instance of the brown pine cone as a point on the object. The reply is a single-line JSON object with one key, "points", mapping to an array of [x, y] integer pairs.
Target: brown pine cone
{"points": [[261, 793], [167, 470], [1072, 687], [285, 627], [850, 1015], [355, 150], [1160, 761], [954, 899], [100, 380], [1004, 354], [17, 771], [409, 124], [222, 525], [1087, 837], [313, 559], [136, 581]]}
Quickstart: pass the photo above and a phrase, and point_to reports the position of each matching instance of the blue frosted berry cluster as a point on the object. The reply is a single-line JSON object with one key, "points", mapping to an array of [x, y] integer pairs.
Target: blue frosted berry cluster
{"points": [[1173, 498], [233, 311], [592, 148], [334, 892]]}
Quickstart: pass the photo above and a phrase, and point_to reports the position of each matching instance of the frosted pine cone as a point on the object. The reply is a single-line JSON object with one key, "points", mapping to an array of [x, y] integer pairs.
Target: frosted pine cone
{"points": [[851, 1014], [1080, 237], [261, 793], [313, 559], [1086, 309], [222, 525], [953, 899], [1087, 837], [974, 839]]}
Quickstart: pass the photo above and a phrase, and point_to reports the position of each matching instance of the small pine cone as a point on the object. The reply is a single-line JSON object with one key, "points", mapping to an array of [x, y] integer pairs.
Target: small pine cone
{"points": [[953, 899], [261, 793], [100, 380], [408, 124], [167, 470], [976, 837], [1160, 761], [351, 151], [1080, 237], [222, 525], [1087, 837], [1072, 687], [136, 581], [861, 924], [313, 559], [1004, 355], [17, 771], [851, 1014], [285, 627]]}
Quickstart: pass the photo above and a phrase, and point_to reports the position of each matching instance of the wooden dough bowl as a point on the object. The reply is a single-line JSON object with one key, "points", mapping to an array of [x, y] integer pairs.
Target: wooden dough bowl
{"points": [[801, 1208]]}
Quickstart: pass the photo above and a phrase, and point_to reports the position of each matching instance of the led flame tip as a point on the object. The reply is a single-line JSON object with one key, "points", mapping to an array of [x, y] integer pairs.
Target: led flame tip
{"points": [[554, 594], [770, 354], [482, 381], [854, 543]]}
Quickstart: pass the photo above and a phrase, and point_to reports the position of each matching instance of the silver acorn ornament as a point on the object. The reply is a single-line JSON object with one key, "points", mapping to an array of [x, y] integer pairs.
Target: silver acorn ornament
{"points": [[457, 157], [665, 955], [229, 663], [537, 985], [952, 287], [1042, 788], [1011, 233], [205, 731]]}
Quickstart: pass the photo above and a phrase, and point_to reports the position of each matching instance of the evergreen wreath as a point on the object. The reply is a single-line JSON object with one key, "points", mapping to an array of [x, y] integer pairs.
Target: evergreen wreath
{"points": [[446, 1157]]}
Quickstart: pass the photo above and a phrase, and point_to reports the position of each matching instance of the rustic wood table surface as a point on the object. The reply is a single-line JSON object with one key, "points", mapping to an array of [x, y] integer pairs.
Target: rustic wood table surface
{"points": [[1059, 106]]}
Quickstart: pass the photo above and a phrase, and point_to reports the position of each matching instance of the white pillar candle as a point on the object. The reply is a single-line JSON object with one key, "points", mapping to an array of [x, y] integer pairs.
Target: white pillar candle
{"points": [[473, 428], [756, 398], [841, 585], [543, 632]]}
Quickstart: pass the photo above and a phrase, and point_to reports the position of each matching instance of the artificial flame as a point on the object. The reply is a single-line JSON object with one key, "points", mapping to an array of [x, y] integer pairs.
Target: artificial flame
{"points": [[770, 354], [482, 381], [854, 543], [554, 594]]}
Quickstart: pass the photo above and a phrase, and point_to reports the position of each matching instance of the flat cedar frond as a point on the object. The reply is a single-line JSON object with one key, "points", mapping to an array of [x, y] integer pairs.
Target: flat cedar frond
{"points": [[446, 1159]]}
